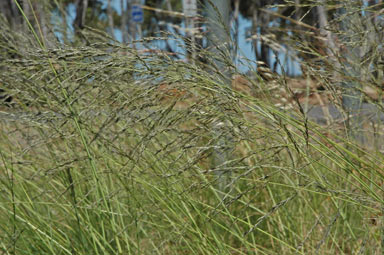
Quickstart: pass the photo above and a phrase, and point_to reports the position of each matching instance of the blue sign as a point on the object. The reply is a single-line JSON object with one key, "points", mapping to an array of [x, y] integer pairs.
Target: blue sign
{"points": [[137, 13]]}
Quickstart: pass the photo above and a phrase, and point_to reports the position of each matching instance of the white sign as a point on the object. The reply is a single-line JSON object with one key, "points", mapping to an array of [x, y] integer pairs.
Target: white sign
{"points": [[190, 8]]}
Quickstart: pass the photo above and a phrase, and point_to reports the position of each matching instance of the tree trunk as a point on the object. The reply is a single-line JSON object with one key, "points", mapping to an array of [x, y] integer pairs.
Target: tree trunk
{"points": [[110, 19], [27, 12], [81, 10], [323, 24], [236, 32], [11, 13], [124, 21], [41, 9], [351, 55], [264, 30], [5, 9], [218, 18], [255, 32]]}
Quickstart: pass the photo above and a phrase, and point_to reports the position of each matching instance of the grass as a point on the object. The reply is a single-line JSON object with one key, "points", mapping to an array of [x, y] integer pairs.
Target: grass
{"points": [[99, 163]]}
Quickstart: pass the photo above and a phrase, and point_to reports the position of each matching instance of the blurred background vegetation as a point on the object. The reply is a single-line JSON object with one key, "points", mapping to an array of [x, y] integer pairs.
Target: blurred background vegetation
{"points": [[166, 137]]}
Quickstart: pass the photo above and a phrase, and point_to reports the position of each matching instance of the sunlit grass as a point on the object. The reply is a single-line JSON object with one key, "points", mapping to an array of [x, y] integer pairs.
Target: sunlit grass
{"points": [[96, 158]]}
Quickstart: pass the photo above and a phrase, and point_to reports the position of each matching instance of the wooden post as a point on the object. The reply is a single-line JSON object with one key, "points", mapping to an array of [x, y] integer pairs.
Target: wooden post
{"points": [[218, 38]]}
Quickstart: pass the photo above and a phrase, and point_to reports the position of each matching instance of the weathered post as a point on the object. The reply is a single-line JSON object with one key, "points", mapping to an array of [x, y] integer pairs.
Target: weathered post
{"points": [[217, 12]]}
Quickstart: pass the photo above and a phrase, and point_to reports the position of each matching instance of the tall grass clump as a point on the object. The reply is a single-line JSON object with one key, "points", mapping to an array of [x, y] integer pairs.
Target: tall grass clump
{"points": [[107, 149]]}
